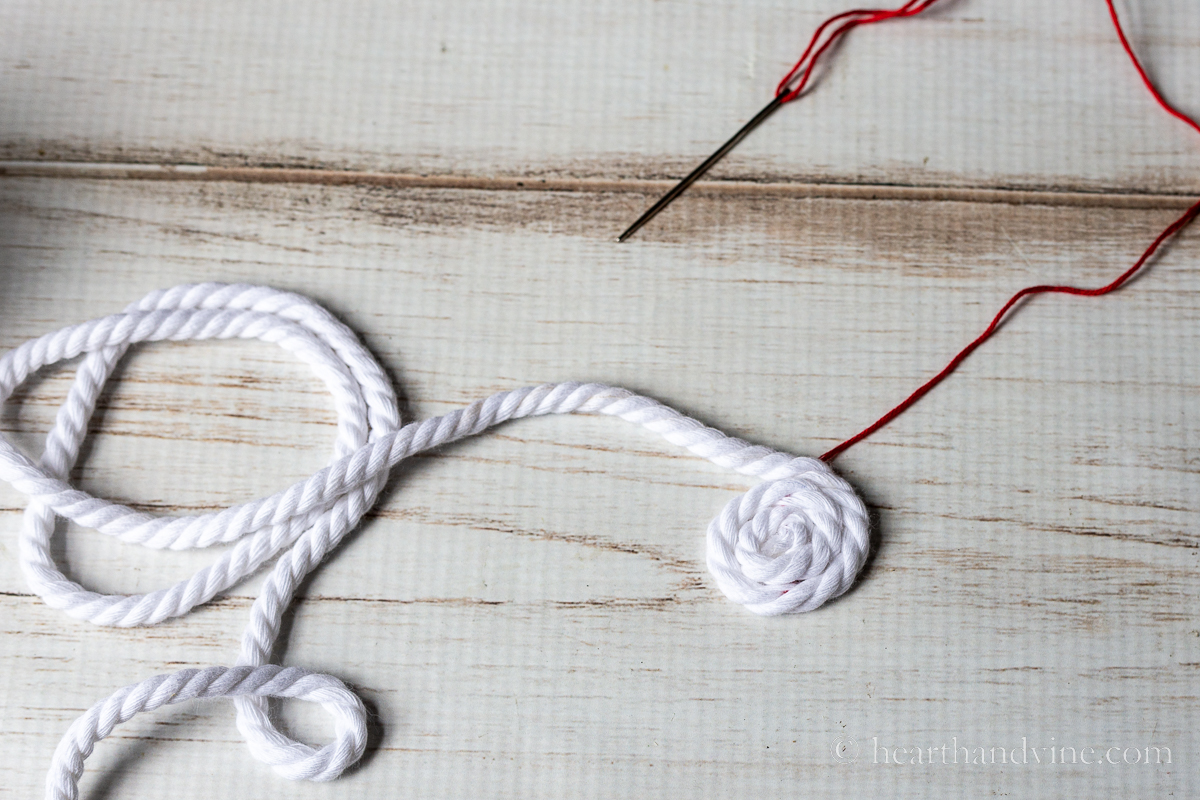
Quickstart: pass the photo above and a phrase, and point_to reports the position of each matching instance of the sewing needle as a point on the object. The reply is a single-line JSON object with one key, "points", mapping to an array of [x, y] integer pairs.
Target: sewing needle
{"points": [[695, 174]]}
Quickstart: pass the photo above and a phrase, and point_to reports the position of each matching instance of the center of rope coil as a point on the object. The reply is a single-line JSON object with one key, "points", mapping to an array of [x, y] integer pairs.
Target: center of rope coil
{"points": [[793, 542]]}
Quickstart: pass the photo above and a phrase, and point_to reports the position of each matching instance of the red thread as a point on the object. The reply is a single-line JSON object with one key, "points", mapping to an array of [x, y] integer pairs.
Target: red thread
{"points": [[855, 17], [913, 8], [1172, 110]]}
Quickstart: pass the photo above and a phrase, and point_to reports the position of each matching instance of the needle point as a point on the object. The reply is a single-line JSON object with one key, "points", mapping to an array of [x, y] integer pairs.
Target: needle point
{"points": [[704, 167]]}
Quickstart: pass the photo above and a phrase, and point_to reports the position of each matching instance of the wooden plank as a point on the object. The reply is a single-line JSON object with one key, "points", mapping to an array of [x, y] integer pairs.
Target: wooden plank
{"points": [[1021, 94], [528, 612]]}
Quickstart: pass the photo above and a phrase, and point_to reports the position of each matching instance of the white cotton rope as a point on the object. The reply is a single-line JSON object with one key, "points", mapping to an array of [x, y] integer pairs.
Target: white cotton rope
{"points": [[790, 544]]}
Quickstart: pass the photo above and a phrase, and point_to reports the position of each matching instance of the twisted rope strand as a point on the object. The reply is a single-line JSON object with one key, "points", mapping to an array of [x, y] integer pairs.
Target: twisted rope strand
{"points": [[62, 782], [789, 544]]}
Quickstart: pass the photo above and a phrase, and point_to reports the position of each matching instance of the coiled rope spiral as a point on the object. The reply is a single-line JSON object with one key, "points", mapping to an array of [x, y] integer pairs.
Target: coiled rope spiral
{"points": [[791, 543]]}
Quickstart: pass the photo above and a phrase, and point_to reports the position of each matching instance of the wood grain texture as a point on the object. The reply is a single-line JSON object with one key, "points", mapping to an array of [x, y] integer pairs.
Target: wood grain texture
{"points": [[1022, 93], [528, 613]]}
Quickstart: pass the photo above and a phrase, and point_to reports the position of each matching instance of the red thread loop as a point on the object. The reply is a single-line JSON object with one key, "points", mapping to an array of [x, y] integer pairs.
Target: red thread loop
{"points": [[908, 9], [850, 20]]}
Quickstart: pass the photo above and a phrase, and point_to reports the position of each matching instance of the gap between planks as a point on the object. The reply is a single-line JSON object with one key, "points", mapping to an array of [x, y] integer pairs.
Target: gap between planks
{"points": [[181, 172]]}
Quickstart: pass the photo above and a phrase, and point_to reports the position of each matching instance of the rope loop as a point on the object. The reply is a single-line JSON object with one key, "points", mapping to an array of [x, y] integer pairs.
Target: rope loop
{"points": [[790, 544], [62, 783]]}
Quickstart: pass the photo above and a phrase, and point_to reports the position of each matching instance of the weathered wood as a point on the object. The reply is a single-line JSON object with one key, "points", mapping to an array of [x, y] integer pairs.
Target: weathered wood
{"points": [[1022, 93], [529, 612]]}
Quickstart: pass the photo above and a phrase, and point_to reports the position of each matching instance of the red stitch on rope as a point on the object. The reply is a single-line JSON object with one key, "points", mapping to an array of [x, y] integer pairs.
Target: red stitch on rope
{"points": [[1170, 231]]}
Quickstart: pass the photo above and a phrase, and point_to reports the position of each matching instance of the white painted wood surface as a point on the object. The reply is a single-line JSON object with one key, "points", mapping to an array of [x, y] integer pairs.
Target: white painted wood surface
{"points": [[528, 613], [1020, 93]]}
